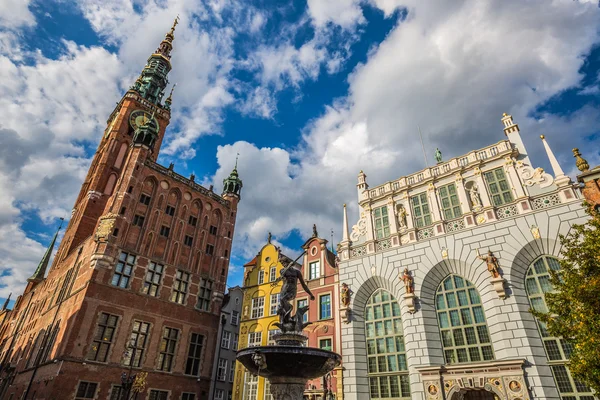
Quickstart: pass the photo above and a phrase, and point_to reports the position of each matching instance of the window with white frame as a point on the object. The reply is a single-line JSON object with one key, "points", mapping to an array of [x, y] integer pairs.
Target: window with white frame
{"points": [[222, 369], [254, 339], [268, 395], [250, 387], [261, 277], [234, 343], [225, 339], [273, 304], [272, 274], [219, 394], [314, 270], [258, 307], [235, 318]]}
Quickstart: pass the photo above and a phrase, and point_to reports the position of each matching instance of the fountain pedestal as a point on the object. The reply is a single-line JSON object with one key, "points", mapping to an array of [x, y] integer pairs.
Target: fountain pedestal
{"points": [[288, 365]]}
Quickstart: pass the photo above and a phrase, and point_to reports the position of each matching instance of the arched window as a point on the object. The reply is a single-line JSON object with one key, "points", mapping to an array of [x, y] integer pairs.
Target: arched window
{"points": [[388, 371], [465, 335], [558, 351]]}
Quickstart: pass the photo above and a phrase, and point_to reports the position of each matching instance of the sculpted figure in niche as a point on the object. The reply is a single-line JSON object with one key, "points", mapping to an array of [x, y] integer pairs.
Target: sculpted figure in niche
{"points": [[408, 281], [474, 196], [401, 215], [492, 263], [346, 294]]}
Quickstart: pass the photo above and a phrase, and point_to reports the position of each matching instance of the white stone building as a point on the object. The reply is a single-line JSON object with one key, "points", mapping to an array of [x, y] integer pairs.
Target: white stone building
{"points": [[464, 332]]}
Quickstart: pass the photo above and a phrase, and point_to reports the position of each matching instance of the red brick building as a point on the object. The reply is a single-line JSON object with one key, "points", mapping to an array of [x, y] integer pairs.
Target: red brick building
{"points": [[321, 276], [137, 282]]}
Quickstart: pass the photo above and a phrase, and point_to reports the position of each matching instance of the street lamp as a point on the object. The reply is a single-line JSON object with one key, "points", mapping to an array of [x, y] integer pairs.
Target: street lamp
{"points": [[127, 378]]}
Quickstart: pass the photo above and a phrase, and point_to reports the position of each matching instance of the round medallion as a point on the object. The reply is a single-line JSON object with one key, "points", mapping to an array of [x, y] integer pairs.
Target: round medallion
{"points": [[208, 206], [515, 386], [187, 196], [432, 389], [164, 184], [313, 250]]}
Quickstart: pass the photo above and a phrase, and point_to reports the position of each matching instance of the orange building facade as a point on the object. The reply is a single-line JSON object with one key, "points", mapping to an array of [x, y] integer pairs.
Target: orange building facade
{"points": [[137, 282]]}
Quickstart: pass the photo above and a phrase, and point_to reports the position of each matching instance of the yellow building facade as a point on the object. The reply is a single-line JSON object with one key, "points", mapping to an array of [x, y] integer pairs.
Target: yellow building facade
{"points": [[259, 313]]}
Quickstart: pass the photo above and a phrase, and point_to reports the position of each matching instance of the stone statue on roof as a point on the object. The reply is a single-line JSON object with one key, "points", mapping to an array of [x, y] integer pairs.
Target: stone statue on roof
{"points": [[438, 155]]}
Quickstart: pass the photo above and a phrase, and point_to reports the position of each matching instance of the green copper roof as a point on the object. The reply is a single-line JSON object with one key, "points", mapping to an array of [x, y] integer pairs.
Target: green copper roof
{"points": [[40, 272]]}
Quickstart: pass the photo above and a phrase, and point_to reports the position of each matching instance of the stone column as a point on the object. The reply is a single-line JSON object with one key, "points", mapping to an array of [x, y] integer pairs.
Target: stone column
{"points": [[462, 194], [485, 198], [394, 228], [433, 203], [513, 178], [288, 388]]}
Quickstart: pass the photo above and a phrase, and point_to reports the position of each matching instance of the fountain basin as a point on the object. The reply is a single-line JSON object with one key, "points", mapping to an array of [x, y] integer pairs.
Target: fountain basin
{"points": [[289, 361]]}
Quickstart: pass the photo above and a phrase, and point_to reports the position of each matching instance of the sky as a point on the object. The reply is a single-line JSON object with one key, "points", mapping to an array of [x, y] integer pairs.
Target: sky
{"points": [[308, 92]]}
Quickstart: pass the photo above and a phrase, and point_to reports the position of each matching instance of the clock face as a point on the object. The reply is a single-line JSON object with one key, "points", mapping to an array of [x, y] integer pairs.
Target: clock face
{"points": [[138, 118]]}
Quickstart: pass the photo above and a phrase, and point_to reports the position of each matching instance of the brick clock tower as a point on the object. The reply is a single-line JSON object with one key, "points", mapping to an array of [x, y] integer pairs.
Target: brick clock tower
{"points": [[137, 282]]}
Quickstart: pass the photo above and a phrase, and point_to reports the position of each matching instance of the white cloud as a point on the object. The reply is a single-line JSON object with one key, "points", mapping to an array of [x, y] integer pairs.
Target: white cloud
{"points": [[452, 70], [345, 13], [15, 14]]}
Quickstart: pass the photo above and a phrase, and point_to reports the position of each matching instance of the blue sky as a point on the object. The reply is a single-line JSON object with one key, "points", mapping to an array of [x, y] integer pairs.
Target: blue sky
{"points": [[309, 92]]}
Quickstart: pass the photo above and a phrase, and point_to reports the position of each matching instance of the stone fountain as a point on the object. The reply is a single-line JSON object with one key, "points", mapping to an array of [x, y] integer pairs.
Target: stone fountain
{"points": [[289, 365]]}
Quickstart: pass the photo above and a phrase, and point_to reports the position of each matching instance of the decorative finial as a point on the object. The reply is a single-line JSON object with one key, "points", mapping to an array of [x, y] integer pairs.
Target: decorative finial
{"points": [[315, 233], [580, 162], [236, 160], [174, 25], [269, 238], [170, 98], [542, 137], [344, 205], [504, 114]]}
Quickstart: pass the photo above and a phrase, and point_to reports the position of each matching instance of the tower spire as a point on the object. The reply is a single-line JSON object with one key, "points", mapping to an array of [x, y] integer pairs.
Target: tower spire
{"points": [[40, 272], [345, 227], [559, 176], [153, 81], [232, 185], [6, 302], [169, 99]]}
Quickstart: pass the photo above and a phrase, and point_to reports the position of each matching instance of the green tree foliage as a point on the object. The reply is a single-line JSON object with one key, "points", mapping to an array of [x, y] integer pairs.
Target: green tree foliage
{"points": [[574, 309]]}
